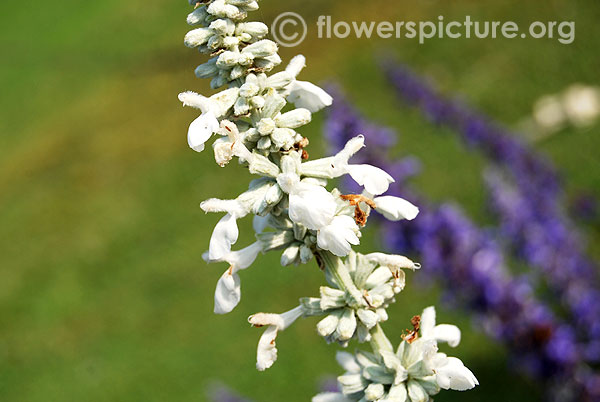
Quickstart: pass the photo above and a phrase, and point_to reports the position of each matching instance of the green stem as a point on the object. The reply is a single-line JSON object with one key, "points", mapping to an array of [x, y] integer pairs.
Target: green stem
{"points": [[379, 341]]}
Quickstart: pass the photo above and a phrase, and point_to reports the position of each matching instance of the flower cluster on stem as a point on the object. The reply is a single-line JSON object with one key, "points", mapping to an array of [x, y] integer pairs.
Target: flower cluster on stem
{"points": [[257, 119]]}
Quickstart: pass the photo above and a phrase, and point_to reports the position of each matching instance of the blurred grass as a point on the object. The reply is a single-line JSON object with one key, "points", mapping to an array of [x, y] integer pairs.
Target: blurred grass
{"points": [[103, 294]]}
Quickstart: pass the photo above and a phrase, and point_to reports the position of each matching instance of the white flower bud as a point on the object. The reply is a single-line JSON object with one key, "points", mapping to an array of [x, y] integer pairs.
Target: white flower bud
{"points": [[380, 276], [294, 118], [249, 90], [227, 59], [223, 27], [256, 30], [230, 41], [265, 126], [198, 16], [241, 107], [328, 324], [263, 166], [280, 80], [207, 69], [264, 143], [237, 72], [290, 255], [197, 37], [258, 102], [347, 325], [332, 298], [274, 195], [263, 48], [218, 8], [305, 254], [367, 317], [374, 392]]}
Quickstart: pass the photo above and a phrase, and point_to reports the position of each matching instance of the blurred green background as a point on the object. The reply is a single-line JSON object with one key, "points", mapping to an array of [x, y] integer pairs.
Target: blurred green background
{"points": [[103, 292]]}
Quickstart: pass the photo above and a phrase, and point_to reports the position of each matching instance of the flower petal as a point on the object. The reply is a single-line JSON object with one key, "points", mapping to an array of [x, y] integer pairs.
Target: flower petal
{"points": [[225, 234], [376, 181], [201, 130], [311, 205], [308, 96], [454, 375], [228, 293], [338, 236], [266, 353], [395, 208], [447, 333], [427, 322], [347, 361]]}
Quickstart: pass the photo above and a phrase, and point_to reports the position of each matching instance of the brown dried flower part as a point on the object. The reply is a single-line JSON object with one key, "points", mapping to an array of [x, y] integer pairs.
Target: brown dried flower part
{"points": [[360, 216], [413, 335], [300, 145]]}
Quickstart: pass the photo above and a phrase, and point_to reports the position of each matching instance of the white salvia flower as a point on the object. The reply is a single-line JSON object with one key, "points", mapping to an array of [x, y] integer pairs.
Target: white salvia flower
{"points": [[442, 332], [231, 145], [375, 180], [451, 373], [201, 130], [267, 351], [395, 208], [228, 291], [310, 204], [212, 108], [307, 95], [339, 235], [226, 231]]}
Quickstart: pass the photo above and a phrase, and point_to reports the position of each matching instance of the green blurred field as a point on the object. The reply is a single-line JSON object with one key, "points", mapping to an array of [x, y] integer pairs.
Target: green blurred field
{"points": [[103, 292]]}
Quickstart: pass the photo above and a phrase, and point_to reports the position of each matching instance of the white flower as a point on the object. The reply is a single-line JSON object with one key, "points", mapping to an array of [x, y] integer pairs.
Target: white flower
{"points": [[310, 204], [266, 353], [339, 235], [395, 208], [212, 109], [375, 180], [228, 291], [442, 332], [307, 95], [201, 130], [230, 145], [226, 231], [451, 373], [304, 94]]}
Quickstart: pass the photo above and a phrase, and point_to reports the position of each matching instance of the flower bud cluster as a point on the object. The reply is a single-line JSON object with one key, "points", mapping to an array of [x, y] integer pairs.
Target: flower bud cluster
{"points": [[346, 317], [236, 47]]}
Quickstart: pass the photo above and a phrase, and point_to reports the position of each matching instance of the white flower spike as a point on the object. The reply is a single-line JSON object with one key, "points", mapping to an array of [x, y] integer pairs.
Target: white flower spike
{"points": [[296, 212]]}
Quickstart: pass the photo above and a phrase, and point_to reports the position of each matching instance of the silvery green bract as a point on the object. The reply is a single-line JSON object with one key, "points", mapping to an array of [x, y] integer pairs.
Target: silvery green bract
{"points": [[296, 212]]}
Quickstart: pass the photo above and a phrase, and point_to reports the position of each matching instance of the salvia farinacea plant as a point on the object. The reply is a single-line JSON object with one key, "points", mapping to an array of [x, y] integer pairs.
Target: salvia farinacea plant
{"points": [[253, 120]]}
